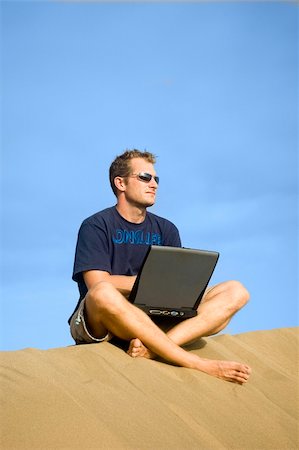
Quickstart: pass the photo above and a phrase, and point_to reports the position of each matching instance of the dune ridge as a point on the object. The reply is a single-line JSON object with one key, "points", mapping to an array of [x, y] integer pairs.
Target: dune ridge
{"points": [[97, 397]]}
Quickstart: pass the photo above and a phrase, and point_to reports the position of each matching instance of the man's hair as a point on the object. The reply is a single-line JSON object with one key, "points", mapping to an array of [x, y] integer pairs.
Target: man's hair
{"points": [[121, 166]]}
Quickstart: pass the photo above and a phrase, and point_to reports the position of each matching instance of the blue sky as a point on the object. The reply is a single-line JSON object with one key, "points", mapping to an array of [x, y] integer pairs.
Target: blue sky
{"points": [[211, 88]]}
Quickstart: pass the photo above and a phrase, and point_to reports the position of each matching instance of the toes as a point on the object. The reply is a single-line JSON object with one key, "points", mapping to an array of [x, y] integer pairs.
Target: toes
{"points": [[134, 348], [240, 377], [137, 349], [235, 372], [136, 343], [243, 371]]}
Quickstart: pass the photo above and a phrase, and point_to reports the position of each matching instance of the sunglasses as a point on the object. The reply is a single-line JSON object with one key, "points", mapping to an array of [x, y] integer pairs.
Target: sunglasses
{"points": [[145, 177]]}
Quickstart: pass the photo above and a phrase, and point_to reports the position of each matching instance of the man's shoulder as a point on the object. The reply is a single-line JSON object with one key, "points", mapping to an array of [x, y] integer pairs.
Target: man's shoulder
{"points": [[99, 216]]}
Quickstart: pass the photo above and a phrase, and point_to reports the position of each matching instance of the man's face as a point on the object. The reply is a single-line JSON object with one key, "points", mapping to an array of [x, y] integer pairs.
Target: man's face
{"points": [[138, 192]]}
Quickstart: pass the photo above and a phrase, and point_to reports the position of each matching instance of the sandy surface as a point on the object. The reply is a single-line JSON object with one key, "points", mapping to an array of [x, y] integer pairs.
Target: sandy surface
{"points": [[97, 397]]}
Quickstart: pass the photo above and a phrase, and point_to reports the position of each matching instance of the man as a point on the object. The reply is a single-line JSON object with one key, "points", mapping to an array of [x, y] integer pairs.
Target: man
{"points": [[110, 249]]}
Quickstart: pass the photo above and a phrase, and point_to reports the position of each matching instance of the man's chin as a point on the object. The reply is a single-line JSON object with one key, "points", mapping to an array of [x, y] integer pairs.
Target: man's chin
{"points": [[149, 204], [145, 203]]}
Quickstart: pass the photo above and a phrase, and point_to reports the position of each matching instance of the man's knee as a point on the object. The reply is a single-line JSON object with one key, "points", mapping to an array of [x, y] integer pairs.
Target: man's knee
{"points": [[238, 294], [103, 297]]}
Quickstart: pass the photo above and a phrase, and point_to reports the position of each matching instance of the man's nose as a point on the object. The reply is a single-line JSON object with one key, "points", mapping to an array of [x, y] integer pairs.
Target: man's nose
{"points": [[153, 183]]}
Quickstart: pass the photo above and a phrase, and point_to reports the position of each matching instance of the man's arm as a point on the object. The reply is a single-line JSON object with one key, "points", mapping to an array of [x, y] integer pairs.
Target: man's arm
{"points": [[122, 283]]}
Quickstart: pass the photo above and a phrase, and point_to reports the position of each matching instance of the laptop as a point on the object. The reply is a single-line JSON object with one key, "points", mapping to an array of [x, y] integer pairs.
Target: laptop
{"points": [[172, 281]]}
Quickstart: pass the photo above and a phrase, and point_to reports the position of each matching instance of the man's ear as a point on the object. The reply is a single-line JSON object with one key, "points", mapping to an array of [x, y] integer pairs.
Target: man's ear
{"points": [[120, 183]]}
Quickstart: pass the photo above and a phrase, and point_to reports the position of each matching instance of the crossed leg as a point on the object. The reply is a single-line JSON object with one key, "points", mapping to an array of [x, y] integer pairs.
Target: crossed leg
{"points": [[215, 311], [106, 309]]}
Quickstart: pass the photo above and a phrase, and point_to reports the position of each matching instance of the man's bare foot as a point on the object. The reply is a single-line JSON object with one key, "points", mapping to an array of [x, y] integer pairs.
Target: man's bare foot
{"points": [[137, 349], [226, 370]]}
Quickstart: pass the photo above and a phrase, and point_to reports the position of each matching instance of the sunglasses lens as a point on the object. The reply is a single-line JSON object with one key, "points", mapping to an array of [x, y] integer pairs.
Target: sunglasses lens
{"points": [[145, 177]]}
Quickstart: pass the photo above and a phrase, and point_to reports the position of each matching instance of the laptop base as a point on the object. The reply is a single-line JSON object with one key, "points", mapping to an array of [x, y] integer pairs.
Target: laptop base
{"points": [[167, 312]]}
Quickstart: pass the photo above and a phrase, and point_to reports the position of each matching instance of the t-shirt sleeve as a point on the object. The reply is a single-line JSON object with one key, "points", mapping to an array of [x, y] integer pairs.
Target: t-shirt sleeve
{"points": [[171, 235], [92, 251]]}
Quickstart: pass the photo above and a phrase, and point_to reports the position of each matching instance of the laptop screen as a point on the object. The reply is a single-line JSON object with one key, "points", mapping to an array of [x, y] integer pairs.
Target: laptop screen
{"points": [[173, 277]]}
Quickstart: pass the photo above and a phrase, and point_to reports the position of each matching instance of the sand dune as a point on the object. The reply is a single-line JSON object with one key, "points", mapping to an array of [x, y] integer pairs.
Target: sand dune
{"points": [[97, 397]]}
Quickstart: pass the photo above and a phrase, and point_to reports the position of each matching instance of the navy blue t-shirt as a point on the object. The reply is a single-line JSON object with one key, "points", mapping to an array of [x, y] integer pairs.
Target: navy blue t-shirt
{"points": [[108, 242]]}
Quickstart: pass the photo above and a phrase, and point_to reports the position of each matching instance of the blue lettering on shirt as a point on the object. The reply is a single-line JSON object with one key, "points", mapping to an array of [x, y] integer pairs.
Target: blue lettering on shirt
{"points": [[136, 237]]}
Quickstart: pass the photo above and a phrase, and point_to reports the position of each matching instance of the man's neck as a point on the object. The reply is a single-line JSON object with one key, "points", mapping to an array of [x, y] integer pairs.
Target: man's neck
{"points": [[134, 214]]}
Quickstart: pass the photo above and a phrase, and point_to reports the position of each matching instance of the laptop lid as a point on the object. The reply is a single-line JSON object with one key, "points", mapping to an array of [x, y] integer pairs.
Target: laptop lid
{"points": [[172, 280]]}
